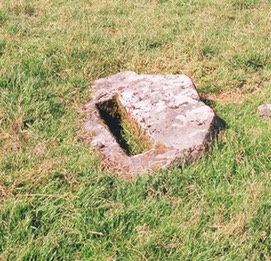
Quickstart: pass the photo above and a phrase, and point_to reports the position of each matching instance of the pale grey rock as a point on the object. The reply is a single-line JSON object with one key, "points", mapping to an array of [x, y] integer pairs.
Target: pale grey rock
{"points": [[265, 110], [168, 108]]}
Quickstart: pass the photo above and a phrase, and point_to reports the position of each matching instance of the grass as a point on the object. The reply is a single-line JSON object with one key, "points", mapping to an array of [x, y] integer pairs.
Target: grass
{"points": [[124, 128], [56, 203]]}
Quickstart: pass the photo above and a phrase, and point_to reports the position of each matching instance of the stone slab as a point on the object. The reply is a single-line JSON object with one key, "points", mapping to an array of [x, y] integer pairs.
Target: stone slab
{"points": [[169, 110], [265, 110]]}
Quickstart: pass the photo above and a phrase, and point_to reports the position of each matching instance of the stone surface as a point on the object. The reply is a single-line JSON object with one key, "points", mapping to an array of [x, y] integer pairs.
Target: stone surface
{"points": [[167, 108], [265, 110]]}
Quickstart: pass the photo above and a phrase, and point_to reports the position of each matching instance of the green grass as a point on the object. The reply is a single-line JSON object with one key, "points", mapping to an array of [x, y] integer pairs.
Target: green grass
{"points": [[56, 203], [124, 128]]}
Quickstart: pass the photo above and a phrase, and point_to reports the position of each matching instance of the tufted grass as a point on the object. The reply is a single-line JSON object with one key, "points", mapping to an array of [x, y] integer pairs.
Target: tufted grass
{"points": [[124, 128], [56, 203]]}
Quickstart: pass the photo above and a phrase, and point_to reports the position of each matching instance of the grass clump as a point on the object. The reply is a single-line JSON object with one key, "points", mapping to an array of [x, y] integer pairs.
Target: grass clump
{"points": [[128, 134], [244, 4]]}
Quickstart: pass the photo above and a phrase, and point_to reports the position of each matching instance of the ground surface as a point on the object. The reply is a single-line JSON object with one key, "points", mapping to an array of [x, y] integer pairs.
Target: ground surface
{"points": [[55, 201]]}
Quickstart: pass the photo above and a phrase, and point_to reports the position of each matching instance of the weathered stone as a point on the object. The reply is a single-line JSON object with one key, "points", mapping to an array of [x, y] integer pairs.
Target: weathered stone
{"points": [[265, 110], [166, 109]]}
